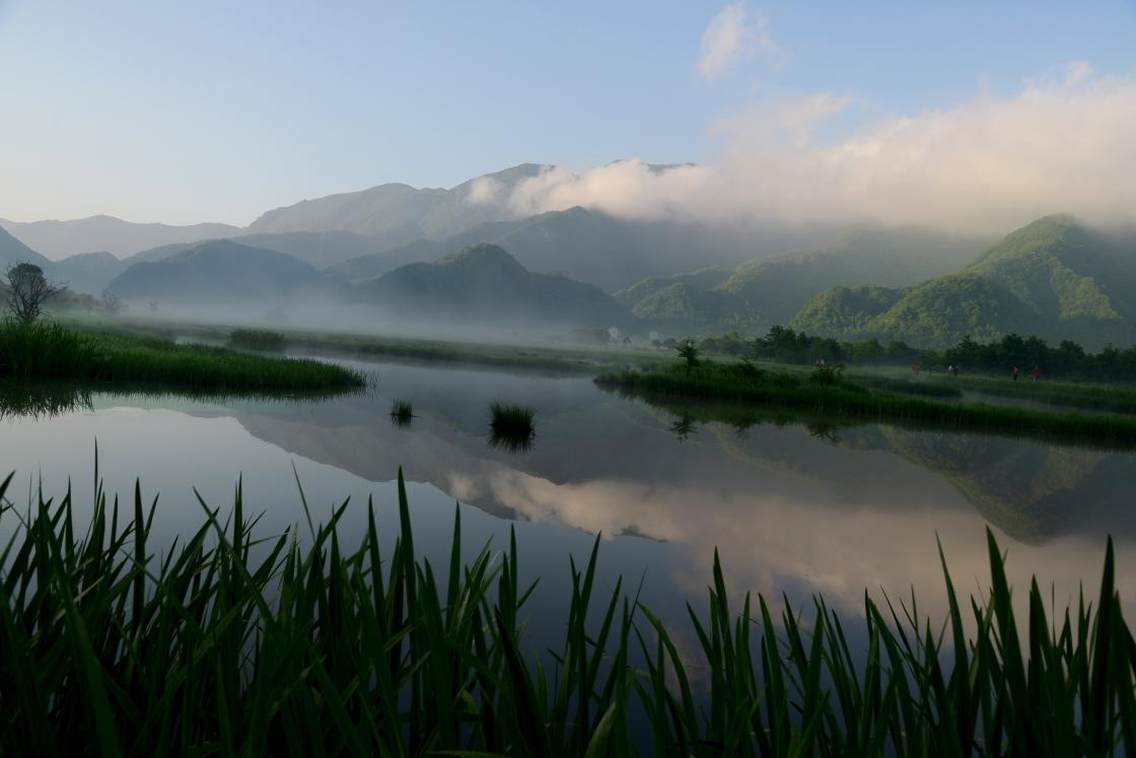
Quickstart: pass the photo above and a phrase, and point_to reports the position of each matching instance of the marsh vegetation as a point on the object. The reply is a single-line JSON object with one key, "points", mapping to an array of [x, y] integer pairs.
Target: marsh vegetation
{"points": [[44, 351], [828, 393], [240, 642]]}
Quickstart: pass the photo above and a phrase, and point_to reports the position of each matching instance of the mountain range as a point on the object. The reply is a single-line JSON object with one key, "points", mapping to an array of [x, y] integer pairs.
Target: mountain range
{"points": [[60, 239], [482, 286], [1056, 277]]}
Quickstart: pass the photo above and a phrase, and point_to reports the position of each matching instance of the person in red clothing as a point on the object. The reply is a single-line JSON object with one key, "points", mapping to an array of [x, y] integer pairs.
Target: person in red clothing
{"points": [[1036, 373]]}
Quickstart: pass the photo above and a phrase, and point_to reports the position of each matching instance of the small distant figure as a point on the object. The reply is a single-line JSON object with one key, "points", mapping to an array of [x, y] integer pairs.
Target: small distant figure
{"points": [[1036, 373], [915, 368], [953, 369], [1015, 373], [820, 362]]}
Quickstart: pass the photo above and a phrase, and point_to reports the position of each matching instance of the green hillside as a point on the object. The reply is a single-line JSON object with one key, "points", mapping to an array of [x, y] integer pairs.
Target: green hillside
{"points": [[702, 279], [682, 303], [848, 309], [1055, 278], [775, 290], [769, 291]]}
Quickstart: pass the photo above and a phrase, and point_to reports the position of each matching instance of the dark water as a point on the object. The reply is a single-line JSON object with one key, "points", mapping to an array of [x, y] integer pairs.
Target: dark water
{"points": [[791, 510]]}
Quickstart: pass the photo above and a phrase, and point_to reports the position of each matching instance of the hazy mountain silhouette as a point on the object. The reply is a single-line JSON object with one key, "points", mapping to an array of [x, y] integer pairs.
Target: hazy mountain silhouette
{"points": [[486, 285], [219, 271], [60, 239]]}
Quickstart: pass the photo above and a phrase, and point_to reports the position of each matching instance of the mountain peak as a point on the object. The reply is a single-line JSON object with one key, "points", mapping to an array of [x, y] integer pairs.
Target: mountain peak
{"points": [[483, 254], [1057, 233]]}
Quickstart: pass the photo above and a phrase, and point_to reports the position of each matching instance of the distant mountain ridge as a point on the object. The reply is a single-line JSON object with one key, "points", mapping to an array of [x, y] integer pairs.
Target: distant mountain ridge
{"points": [[60, 239], [394, 224], [395, 207]]}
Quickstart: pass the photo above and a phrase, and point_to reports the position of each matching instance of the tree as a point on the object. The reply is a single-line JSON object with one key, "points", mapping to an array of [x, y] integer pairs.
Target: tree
{"points": [[112, 304], [688, 351], [28, 290]]}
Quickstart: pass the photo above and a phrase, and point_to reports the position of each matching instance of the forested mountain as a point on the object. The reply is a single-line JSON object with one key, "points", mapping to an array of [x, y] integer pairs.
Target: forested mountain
{"points": [[1054, 278], [774, 290], [485, 285], [768, 291]]}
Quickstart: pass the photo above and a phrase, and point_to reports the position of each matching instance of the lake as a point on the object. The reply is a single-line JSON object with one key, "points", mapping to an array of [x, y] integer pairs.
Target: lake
{"points": [[792, 510]]}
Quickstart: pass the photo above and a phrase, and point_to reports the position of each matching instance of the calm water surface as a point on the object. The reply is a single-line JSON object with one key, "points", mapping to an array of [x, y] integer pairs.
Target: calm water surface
{"points": [[790, 510]]}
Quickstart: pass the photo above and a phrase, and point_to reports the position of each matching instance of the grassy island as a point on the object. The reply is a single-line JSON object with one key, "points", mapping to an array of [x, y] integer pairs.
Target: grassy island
{"points": [[298, 644], [49, 351], [828, 393]]}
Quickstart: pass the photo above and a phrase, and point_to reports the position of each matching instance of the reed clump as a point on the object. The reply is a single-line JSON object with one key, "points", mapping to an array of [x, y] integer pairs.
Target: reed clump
{"points": [[511, 420], [231, 642], [402, 411]]}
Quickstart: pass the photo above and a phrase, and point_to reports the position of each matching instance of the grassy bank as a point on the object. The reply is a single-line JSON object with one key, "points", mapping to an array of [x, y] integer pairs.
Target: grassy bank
{"points": [[563, 357], [48, 351], [1111, 398], [257, 339], [111, 647], [841, 400]]}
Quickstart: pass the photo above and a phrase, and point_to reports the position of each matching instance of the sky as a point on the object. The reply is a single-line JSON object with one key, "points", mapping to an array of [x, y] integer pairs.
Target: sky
{"points": [[217, 111]]}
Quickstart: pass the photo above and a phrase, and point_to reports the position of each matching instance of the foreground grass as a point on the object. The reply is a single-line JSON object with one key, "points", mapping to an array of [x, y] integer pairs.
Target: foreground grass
{"points": [[309, 649], [841, 400], [49, 351]]}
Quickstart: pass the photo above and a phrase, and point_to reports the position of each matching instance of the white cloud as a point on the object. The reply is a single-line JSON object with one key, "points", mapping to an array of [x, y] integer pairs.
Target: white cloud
{"points": [[991, 163], [732, 34], [627, 188], [485, 190]]}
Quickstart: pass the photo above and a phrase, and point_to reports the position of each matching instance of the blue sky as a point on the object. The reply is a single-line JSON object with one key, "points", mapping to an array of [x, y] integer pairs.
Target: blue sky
{"points": [[183, 112]]}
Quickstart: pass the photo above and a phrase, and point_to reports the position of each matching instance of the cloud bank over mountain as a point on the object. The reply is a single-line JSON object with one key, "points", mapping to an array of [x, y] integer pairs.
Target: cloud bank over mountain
{"points": [[989, 164]]}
